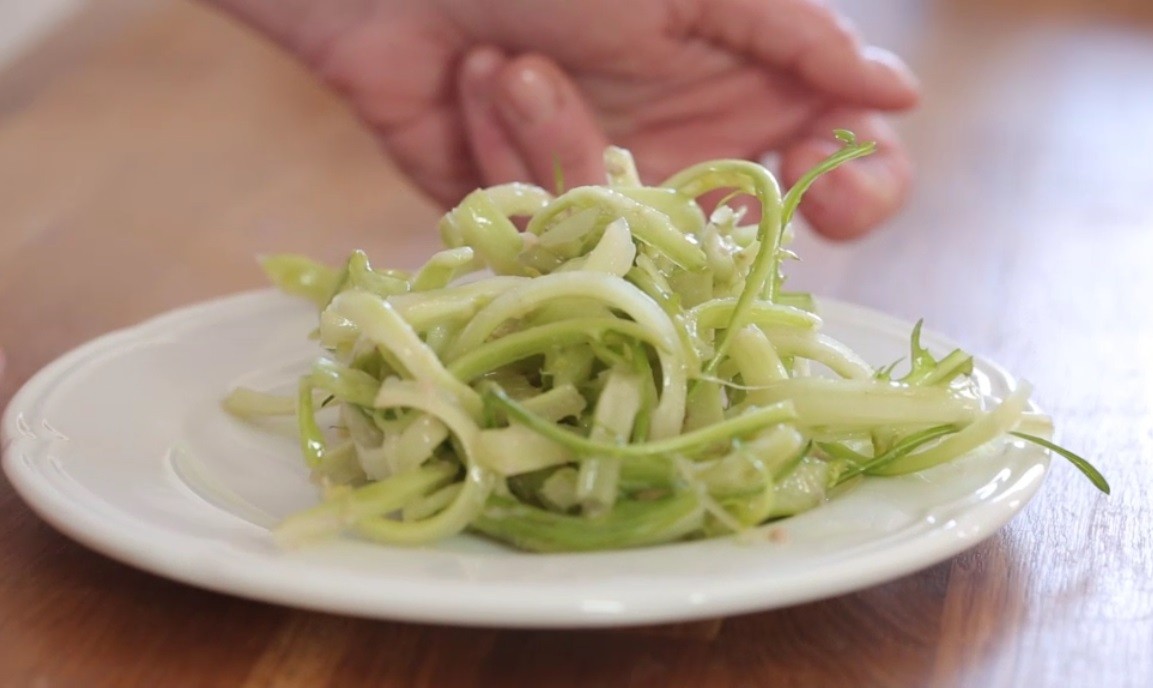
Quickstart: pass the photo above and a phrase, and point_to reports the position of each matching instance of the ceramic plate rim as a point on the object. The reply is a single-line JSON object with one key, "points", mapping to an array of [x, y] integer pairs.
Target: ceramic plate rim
{"points": [[541, 607]]}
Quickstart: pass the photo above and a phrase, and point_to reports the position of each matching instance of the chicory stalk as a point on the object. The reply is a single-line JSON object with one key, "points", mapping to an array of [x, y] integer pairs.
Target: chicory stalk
{"points": [[860, 404], [753, 179], [633, 374], [301, 276], [631, 523], [613, 291], [616, 411], [425, 310], [986, 428], [250, 404], [689, 442], [361, 276], [478, 481], [352, 506], [718, 313], [648, 224], [380, 324], [540, 339], [444, 268], [480, 224], [312, 441]]}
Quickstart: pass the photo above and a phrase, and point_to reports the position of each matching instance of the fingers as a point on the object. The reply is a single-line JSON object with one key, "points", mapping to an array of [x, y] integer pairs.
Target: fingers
{"points": [[550, 122], [816, 42], [525, 117], [432, 151], [494, 153], [768, 109], [857, 196]]}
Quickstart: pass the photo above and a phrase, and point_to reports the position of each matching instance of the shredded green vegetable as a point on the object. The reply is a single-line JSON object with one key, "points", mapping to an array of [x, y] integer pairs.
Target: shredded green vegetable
{"points": [[625, 372]]}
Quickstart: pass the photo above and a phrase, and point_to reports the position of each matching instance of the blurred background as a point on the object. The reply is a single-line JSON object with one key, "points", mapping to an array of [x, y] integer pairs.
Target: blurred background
{"points": [[150, 149]]}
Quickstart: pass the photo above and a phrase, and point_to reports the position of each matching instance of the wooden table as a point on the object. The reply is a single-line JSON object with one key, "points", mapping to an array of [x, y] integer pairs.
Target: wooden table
{"points": [[149, 150]]}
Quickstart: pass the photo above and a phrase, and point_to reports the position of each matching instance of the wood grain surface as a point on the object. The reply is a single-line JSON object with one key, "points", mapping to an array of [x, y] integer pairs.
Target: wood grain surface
{"points": [[149, 150]]}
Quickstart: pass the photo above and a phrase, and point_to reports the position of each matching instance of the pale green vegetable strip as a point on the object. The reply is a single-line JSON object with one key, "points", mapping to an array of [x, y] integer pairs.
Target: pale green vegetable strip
{"points": [[570, 365], [615, 252], [424, 507], [750, 468], [301, 276], [566, 234], [537, 340], [659, 291], [415, 444], [719, 312], [556, 404], [613, 419], [822, 349], [478, 481], [517, 198], [250, 403], [354, 505], [854, 404], [521, 299], [516, 449], [802, 489], [682, 210], [444, 267], [1088, 469], [360, 427], [478, 223], [425, 310], [760, 282], [312, 442], [689, 442], [957, 362], [620, 168], [712, 507], [381, 324], [987, 427], [630, 524], [900, 448], [346, 384], [758, 361], [722, 262], [336, 332], [705, 405], [341, 465], [614, 291], [648, 224], [361, 276], [559, 489]]}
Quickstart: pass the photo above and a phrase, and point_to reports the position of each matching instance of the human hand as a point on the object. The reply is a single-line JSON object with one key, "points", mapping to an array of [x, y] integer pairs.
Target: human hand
{"points": [[464, 93]]}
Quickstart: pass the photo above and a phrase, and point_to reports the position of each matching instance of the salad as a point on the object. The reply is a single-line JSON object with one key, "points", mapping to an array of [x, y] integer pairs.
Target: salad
{"points": [[623, 371]]}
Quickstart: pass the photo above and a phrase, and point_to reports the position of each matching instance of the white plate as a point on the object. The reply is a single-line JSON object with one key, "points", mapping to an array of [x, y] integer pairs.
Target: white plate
{"points": [[121, 444]]}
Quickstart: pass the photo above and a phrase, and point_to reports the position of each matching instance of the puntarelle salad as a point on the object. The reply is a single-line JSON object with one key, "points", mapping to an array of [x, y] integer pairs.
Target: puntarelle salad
{"points": [[625, 371]]}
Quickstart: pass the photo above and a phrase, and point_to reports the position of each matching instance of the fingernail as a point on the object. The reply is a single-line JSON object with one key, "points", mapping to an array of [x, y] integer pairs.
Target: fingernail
{"points": [[892, 65], [481, 63], [531, 96], [478, 72]]}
